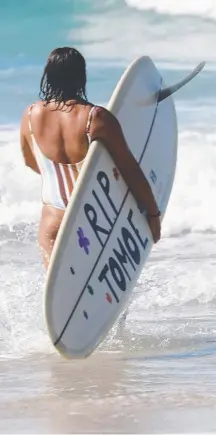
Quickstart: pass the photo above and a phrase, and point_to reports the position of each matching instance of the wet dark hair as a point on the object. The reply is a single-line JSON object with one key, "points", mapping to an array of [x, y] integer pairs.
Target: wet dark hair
{"points": [[64, 77]]}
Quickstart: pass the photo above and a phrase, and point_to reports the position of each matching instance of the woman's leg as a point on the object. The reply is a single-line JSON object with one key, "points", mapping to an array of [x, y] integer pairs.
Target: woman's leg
{"points": [[51, 219]]}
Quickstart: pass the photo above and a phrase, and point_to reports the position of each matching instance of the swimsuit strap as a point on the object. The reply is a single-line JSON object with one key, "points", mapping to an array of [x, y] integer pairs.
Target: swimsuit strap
{"points": [[88, 125], [29, 119]]}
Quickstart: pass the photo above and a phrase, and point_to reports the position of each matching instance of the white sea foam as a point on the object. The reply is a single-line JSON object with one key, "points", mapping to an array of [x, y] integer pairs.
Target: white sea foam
{"points": [[201, 8], [19, 186], [172, 31], [191, 208]]}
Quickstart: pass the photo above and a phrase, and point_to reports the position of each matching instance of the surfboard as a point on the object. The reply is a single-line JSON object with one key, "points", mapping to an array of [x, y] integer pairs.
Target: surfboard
{"points": [[104, 240]]}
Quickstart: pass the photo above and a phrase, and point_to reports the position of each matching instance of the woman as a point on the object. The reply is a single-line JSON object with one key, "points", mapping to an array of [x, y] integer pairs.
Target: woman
{"points": [[56, 133]]}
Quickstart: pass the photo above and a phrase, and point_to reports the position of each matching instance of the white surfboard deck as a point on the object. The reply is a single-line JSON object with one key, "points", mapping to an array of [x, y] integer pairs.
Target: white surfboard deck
{"points": [[104, 240]]}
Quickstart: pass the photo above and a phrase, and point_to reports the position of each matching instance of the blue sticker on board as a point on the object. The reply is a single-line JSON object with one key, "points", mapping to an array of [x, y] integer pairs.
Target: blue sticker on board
{"points": [[90, 289], [153, 176], [85, 314]]}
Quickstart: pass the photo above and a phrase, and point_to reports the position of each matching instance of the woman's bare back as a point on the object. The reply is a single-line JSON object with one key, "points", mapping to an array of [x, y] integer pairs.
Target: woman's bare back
{"points": [[61, 134]]}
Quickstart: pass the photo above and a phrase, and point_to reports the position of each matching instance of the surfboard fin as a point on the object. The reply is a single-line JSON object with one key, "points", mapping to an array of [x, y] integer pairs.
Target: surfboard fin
{"points": [[169, 90]]}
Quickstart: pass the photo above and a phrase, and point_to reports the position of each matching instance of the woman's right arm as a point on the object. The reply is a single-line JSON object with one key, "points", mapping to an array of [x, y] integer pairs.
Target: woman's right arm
{"points": [[106, 128]]}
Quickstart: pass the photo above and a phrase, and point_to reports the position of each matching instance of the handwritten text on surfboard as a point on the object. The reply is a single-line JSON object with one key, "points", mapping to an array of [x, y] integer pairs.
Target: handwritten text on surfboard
{"points": [[126, 256]]}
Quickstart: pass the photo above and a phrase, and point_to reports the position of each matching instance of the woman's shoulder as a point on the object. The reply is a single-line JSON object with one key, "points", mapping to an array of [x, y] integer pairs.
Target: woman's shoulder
{"points": [[105, 117], [27, 111]]}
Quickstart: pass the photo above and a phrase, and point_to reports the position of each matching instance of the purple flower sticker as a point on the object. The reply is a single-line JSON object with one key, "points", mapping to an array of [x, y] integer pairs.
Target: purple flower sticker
{"points": [[83, 241]]}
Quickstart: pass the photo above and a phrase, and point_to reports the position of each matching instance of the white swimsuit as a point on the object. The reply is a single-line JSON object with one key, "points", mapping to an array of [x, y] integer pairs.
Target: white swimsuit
{"points": [[58, 179]]}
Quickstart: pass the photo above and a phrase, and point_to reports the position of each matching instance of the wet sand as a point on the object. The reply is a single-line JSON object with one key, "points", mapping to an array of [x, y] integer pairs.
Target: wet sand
{"points": [[107, 393]]}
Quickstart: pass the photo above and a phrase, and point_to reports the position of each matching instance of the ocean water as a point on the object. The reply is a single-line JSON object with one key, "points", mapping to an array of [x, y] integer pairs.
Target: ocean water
{"points": [[165, 348]]}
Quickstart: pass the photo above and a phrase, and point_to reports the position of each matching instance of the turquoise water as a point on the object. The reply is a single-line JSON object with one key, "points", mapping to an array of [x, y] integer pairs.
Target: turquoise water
{"points": [[110, 34]]}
